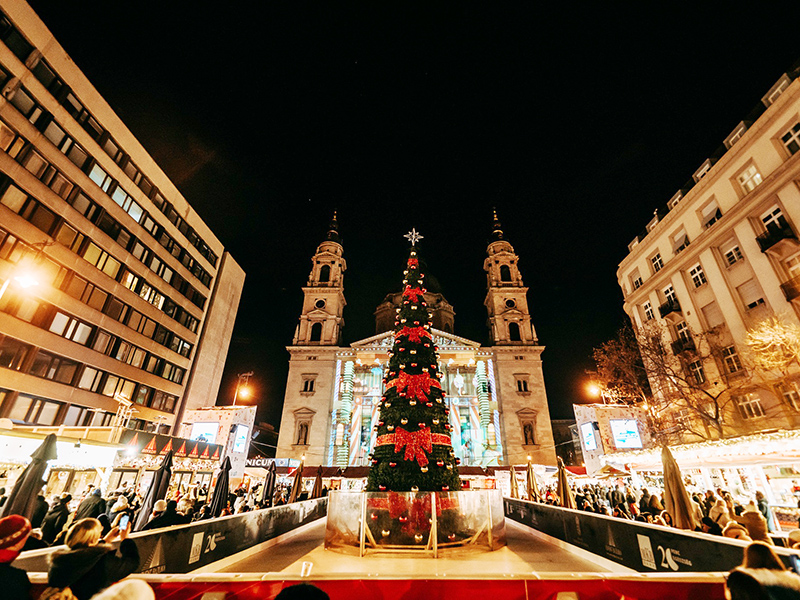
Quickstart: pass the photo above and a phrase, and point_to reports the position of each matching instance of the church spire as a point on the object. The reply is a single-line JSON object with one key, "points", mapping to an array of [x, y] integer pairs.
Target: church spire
{"points": [[497, 228], [333, 230]]}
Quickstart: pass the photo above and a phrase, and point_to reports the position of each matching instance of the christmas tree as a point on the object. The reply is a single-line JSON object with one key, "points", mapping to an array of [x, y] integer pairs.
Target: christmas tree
{"points": [[413, 451]]}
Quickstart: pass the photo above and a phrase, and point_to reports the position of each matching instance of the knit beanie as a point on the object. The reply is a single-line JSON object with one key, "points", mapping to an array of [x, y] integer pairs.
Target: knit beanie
{"points": [[13, 530]]}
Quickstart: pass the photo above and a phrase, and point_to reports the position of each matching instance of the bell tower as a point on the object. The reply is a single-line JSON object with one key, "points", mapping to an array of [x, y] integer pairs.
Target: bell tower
{"points": [[517, 358], [506, 297], [321, 320]]}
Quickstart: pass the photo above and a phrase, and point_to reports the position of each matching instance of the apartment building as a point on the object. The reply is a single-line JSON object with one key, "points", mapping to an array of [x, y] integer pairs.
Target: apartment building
{"points": [[723, 256], [117, 301]]}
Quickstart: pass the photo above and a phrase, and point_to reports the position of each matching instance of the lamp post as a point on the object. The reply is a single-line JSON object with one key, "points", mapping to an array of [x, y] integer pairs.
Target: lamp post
{"points": [[243, 390]]}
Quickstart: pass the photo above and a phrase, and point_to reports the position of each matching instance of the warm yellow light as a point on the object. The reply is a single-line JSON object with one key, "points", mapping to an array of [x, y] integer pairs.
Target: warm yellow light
{"points": [[593, 389], [244, 392], [529, 458], [26, 280]]}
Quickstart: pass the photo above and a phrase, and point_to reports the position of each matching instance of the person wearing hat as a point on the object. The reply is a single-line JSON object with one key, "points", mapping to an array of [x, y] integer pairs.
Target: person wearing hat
{"points": [[92, 506], [14, 530], [736, 531], [755, 523]]}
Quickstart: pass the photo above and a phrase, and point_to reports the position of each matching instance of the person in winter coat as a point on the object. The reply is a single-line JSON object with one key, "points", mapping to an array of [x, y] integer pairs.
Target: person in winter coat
{"points": [[56, 518], [719, 513], [755, 523], [14, 531], [736, 532], [120, 507], [91, 507], [39, 511], [763, 507], [654, 505], [644, 502], [89, 564]]}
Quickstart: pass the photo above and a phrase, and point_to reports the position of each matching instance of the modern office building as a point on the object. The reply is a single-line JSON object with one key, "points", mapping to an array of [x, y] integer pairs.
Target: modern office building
{"points": [[722, 257], [499, 413], [117, 301]]}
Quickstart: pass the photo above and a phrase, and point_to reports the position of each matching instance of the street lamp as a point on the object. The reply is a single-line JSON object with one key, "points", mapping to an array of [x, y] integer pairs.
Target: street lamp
{"points": [[597, 390], [242, 390]]}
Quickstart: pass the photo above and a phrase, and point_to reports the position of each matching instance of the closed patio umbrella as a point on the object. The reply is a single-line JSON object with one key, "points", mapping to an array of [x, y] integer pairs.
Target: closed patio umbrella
{"points": [[565, 497], [22, 499], [297, 484], [317, 491], [533, 488], [221, 493], [268, 490], [676, 498], [514, 484], [157, 491]]}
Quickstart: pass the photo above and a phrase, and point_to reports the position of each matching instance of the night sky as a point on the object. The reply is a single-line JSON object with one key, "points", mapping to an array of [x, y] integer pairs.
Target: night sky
{"points": [[575, 121]]}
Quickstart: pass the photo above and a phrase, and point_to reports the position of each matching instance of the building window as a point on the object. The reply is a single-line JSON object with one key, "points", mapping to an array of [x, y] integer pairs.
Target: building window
{"points": [[308, 384], [514, 333], [697, 275], [649, 315], [791, 139], [732, 255], [302, 434], [790, 393], [751, 295], [793, 266], [316, 332], [656, 262], [749, 179], [773, 219], [682, 331], [697, 372], [522, 383], [711, 214], [637, 283], [731, 358], [505, 273], [669, 295], [750, 406], [319, 304], [680, 241], [325, 274]]}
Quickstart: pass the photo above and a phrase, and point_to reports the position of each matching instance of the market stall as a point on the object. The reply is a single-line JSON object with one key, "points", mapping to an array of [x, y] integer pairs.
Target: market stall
{"points": [[766, 462]]}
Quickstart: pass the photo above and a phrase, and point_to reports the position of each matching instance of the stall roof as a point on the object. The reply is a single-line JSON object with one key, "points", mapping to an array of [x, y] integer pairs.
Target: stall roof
{"points": [[762, 448]]}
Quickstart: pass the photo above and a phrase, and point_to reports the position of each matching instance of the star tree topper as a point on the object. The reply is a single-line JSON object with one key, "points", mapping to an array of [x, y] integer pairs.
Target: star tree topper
{"points": [[413, 237]]}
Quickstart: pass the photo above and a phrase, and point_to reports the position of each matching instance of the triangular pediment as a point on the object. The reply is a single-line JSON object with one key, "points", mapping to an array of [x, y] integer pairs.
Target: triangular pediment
{"points": [[440, 338]]}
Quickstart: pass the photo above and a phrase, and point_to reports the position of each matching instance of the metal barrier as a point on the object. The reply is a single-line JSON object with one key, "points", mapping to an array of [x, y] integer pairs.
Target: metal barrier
{"points": [[639, 546], [185, 548]]}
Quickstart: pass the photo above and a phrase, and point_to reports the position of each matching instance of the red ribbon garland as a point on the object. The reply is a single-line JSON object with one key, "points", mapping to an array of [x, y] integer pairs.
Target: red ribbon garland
{"points": [[415, 334], [416, 443], [415, 386], [413, 294]]}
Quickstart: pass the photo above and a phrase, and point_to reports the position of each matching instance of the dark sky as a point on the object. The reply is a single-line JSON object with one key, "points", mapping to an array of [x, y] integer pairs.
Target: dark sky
{"points": [[576, 121]]}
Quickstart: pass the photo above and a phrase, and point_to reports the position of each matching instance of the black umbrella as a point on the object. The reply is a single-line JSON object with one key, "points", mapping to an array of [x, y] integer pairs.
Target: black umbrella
{"points": [[221, 493], [269, 484], [157, 491], [22, 499]]}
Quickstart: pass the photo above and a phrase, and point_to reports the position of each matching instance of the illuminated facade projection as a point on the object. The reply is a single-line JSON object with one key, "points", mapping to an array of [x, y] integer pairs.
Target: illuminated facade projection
{"points": [[498, 404]]}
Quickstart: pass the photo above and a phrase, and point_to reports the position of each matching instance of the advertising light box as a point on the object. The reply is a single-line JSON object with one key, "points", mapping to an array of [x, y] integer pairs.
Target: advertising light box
{"points": [[205, 432], [240, 439], [625, 433], [588, 435]]}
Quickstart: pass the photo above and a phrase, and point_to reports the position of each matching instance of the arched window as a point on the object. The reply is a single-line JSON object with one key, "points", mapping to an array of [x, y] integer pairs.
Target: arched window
{"points": [[325, 274], [505, 273], [316, 332], [513, 332]]}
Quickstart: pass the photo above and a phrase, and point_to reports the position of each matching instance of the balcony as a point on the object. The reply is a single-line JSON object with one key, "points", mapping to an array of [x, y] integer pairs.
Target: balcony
{"points": [[682, 345], [779, 240], [791, 289], [672, 307]]}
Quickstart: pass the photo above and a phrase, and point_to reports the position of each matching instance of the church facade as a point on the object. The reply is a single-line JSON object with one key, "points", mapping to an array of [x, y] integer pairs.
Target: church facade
{"points": [[499, 413]]}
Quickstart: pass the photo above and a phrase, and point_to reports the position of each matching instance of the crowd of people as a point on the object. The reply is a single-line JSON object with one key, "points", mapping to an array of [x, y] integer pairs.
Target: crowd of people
{"points": [[716, 512]]}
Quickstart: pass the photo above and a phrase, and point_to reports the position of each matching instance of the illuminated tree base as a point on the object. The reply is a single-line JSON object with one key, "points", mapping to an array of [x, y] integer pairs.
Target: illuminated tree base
{"points": [[423, 522]]}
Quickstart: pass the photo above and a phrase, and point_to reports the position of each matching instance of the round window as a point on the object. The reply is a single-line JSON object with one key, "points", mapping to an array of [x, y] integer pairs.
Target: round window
{"points": [[510, 303], [320, 304]]}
